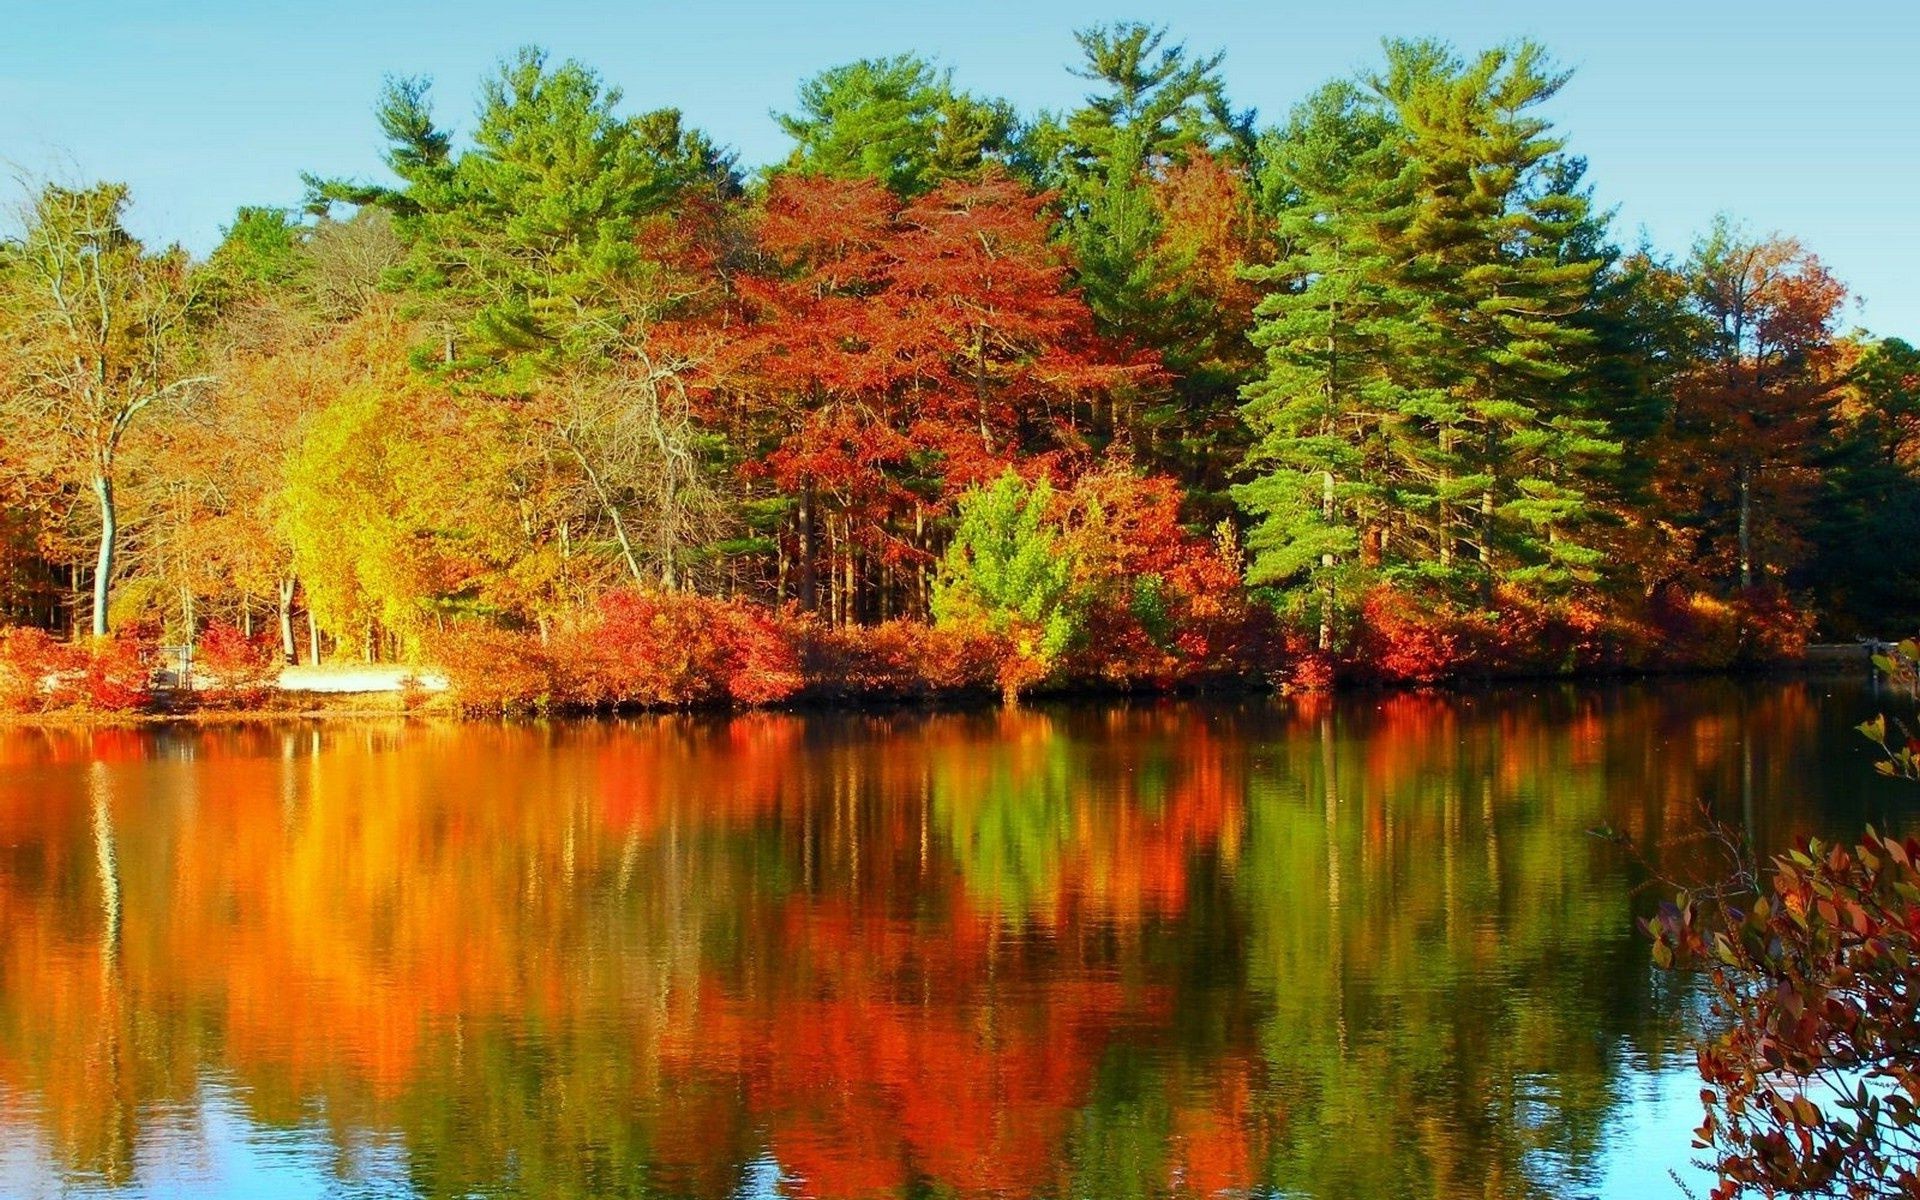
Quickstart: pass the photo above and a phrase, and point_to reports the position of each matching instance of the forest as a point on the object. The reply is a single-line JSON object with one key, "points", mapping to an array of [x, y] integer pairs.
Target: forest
{"points": [[1147, 394]]}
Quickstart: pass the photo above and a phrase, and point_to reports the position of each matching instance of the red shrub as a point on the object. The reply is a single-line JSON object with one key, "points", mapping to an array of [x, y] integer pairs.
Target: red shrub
{"points": [[1401, 640], [633, 650], [1772, 629], [901, 659], [37, 673], [228, 662], [41, 674], [1692, 632], [1525, 635], [669, 649], [1304, 667], [119, 674]]}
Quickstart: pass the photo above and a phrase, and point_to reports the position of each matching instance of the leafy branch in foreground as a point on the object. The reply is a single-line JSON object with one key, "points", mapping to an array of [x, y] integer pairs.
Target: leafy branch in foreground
{"points": [[1812, 1078]]}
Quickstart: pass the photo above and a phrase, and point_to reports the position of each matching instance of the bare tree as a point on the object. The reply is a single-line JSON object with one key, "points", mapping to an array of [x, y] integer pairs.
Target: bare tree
{"points": [[96, 332], [630, 432]]}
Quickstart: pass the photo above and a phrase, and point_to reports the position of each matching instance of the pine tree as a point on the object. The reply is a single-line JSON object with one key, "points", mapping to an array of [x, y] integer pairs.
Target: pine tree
{"points": [[525, 247], [1326, 408], [1499, 245], [898, 121], [1153, 108]]}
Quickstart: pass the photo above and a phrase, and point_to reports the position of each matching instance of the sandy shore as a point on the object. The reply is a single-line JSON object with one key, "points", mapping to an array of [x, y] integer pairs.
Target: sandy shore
{"points": [[360, 677]]}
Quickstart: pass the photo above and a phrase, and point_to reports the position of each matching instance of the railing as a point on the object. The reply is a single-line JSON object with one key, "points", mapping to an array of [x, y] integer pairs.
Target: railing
{"points": [[173, 667]]}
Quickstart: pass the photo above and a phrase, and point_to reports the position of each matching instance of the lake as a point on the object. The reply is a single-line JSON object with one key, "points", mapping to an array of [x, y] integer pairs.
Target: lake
{"points": [[1363, 946]]}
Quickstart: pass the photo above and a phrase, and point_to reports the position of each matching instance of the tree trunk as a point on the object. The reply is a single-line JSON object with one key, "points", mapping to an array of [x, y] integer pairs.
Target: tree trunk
{"points": [[313, 636], [288, 652], [103, 568], [1486, 545], [808, 590], [1326, 563], [1746, 526], [853, 587]]}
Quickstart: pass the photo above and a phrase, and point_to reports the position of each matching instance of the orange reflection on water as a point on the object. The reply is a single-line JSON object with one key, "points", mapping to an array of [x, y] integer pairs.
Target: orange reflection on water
{"points": [[1174, 948]]}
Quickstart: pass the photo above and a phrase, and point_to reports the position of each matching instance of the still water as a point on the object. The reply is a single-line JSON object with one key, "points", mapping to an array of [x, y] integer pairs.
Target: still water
{"points": [[1360, 947]]}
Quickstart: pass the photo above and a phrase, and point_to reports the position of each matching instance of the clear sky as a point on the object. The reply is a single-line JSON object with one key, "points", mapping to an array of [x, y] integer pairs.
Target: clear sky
{"points": [[1801, 117]]}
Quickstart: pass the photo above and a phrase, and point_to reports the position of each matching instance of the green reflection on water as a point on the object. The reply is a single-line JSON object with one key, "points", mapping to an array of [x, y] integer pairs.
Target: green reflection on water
{"points": [[1359, 947]]}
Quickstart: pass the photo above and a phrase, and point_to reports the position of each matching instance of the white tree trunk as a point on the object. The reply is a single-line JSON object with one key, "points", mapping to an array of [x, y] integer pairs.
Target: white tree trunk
{"points": [[103, 568]]}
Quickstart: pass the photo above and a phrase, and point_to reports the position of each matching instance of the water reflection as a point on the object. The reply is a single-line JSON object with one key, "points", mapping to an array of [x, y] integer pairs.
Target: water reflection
{"points": [[1360, 947]]}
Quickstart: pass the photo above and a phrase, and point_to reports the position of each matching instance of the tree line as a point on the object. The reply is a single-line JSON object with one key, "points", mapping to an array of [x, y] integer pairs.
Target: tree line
{"points": [[944, 362]]}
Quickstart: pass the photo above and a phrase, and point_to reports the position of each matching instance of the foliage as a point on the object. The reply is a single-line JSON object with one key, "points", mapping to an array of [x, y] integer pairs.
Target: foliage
{"points": [[521, 242], [1810, 1084], [39, 674], [1749, 417], [36, 671], [902, 660], [234, 665], [1424, 411], [1386, 348], [667, 649], [897, 121], [634, 649], [1044, 568], [1008, 569], [97, 331]]}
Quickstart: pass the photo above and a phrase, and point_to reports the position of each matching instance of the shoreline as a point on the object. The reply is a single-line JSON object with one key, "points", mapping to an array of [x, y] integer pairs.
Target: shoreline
{"points": [[437, 703]]}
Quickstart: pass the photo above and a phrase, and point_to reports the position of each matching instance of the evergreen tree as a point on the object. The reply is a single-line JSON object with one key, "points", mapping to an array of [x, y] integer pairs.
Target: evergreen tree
{"points": [[1866, 564], [896, 120], [1008, 569], [1153, 108], [526, 246], [1331, 328], [1500, 246]]}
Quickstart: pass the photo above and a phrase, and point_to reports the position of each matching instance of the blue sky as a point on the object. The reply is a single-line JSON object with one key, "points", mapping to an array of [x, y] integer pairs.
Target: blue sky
{"points": [[1798, 117]]}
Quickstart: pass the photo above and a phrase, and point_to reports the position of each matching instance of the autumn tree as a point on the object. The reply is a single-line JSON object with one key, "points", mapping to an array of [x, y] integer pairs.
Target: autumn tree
{"points": [[530, 252], [911, 351], [99, 333], [1749, 418]]}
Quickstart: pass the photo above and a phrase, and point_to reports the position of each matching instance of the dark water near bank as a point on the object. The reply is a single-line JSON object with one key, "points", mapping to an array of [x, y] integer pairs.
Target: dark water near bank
{"points": [[1352, 948]]}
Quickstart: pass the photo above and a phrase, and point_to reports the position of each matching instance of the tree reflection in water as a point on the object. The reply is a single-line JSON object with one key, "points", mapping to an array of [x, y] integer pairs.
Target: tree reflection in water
{"points": [[1347, 947]]}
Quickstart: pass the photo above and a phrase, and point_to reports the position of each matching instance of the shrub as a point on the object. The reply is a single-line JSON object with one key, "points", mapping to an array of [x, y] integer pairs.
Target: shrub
{"points": [[119, 674], [1772, 628], [669, 649], [496, 670], [901, 659], [1402, 640], [41, 674], [635, 649], [234, 666], [37, 672], [1693, 631], [1812, 1079]]}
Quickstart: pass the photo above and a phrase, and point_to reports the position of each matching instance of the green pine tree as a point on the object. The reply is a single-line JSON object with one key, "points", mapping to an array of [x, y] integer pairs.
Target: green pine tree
{"points": [[896, 120], [1325, 413], [1501, 248]]}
